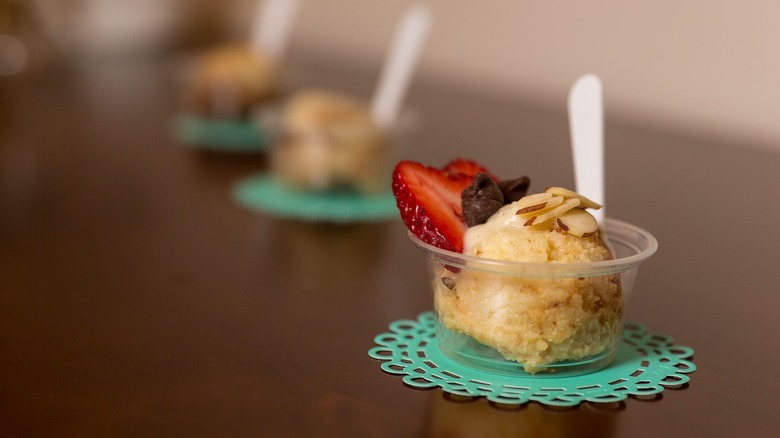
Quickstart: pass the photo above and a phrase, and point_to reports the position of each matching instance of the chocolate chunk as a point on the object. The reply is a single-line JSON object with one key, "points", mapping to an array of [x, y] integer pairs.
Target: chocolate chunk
{"points": [[480, 200], [514, 189], [448, 282]]}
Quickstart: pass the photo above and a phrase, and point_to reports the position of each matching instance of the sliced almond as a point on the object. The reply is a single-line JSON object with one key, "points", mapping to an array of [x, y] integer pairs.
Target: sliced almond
{"points": [[578, 222], [537, 198], [531, 208], [552, 213], [568, 194], [530, 221], [560, 225], [550, 203]]}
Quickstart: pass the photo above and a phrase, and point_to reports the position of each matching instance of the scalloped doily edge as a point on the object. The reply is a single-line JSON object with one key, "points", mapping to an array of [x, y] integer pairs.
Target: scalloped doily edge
{"points": [[654, 357]]}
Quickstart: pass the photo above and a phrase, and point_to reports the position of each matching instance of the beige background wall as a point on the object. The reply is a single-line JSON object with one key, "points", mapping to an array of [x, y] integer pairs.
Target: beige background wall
{"points": [[704, 65], [710, 65]]}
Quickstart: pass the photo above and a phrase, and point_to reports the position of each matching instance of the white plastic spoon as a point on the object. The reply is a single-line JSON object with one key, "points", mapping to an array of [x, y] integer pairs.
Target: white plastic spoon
{"points": [[586, 124], [407, 45], [271, 26]]}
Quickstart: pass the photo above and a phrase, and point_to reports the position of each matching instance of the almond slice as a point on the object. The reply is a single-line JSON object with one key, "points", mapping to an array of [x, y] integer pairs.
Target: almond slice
{"points": [[538, 208], [537, 198], [551, 213], [577, 222], [568, 194]]}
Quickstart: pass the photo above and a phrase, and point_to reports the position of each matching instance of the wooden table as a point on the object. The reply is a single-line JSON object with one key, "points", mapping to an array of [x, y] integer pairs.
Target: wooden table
{"points": [[137, 299]]}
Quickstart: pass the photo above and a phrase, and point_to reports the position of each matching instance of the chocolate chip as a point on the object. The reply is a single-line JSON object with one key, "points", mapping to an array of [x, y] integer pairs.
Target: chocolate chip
{"points": [[514, 189], [480, 200], [448, 282]]}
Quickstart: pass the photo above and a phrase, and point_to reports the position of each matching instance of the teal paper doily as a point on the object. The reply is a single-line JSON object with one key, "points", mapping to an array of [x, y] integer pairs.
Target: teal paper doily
{"points": [[263, 194], [645, 365], [219, 135]]}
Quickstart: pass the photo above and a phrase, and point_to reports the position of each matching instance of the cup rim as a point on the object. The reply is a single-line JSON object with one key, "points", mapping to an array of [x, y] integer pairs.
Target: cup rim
{"points": [[644, 243]]}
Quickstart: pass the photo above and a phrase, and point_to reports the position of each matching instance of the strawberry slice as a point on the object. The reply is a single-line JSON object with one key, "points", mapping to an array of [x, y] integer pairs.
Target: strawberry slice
{"points": [[430, 203], [466, 167]]}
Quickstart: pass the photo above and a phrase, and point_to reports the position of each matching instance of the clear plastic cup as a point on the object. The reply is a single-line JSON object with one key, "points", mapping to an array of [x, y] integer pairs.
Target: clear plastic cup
{"points": [[540, 319]]}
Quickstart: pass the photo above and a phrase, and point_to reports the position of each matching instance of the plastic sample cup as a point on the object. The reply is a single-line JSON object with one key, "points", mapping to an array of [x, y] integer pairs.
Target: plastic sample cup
{"points": [[542, 319]]}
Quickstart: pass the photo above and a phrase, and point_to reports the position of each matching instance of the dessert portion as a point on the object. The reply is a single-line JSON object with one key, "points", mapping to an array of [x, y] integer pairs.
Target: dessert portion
{"points": [[329, 142], [228, 81], [535, 320]]}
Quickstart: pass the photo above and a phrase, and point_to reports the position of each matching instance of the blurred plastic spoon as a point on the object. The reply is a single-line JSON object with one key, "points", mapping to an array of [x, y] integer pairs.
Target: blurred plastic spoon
{"points": [[271, 26], [586, 125], [407, 45]]}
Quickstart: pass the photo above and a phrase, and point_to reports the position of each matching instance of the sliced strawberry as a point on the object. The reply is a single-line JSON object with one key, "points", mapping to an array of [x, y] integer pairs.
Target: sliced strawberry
{"points": [[466, 167], [430, 203]]}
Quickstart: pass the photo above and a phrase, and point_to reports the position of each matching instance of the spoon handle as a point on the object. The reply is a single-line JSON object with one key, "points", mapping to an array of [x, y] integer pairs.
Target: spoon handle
{"points": [[405, 51], [586, 124], [271, 26]]}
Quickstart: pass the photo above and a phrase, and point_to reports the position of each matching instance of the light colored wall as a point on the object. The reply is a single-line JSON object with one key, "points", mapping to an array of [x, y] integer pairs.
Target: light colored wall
{"points": [[711, 65], [703, 65]]}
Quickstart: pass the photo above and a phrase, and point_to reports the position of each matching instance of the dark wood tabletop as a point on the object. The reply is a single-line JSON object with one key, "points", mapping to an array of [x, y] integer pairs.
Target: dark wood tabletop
{"points": [[137, 299]]}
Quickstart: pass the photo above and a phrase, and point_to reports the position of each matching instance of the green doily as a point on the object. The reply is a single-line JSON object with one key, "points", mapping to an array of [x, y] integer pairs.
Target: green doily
{"points": [[219, 135], [263, 194], [645, 364]]}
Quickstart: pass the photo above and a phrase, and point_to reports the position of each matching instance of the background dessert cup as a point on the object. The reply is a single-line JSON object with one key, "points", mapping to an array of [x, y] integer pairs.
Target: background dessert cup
{"points": [[224, 93], [545, 319], [329, 141], [309, 181]]}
